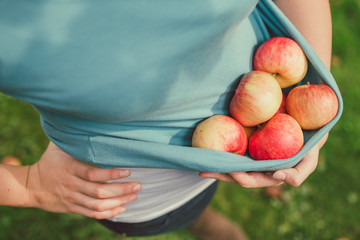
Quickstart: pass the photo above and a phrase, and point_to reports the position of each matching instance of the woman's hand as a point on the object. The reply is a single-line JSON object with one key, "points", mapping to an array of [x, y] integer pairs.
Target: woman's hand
{"points": [[60, 183], [294, 176]]}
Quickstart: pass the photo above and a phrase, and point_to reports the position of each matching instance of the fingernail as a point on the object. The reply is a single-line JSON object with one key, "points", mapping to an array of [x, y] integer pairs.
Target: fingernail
{"points": [[124, 173], [205, 174], [121, 209], [279, 176], [137, 188], [132, 198]]}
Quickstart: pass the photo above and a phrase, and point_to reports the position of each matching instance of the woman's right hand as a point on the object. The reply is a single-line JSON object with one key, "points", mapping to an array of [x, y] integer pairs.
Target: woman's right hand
{"points": [[61, 183]]}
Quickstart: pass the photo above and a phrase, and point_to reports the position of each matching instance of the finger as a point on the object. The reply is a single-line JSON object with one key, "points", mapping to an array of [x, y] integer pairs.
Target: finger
{"points": [[86, 171], [297, 175], [97, 214], [95, 174], [245, 179], [255, 179], [101, 205], [219, 176], [109, 190]]}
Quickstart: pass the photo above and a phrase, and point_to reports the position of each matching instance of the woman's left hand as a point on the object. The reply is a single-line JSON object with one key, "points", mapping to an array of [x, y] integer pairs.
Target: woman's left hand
{"points": [[294, 176]]}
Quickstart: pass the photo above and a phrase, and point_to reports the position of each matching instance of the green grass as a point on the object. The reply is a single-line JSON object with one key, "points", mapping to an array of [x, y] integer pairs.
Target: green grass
{"points": [[324, 207]]}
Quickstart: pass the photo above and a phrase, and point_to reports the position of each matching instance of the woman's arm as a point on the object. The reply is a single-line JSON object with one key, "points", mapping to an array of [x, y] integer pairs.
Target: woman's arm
{"points": [[313, 20], [13, 190]]}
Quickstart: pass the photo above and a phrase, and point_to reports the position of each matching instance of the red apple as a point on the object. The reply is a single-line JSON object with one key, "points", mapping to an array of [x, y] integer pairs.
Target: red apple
{"points": [[282, 57], [220, 132], [257, 98], [11, 160], [312, 105], [280, 138]]}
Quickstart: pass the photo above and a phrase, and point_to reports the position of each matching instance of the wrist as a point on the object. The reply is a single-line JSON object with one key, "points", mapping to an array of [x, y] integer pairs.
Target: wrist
{"points": [[32, 180], [13, 186]]}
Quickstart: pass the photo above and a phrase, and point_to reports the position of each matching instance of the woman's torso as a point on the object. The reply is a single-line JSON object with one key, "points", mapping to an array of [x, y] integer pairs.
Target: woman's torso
{"points": [[138, 70]]}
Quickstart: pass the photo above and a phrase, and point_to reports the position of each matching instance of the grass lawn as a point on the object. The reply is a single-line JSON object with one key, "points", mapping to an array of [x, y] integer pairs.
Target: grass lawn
{"points": [[325, 207]]}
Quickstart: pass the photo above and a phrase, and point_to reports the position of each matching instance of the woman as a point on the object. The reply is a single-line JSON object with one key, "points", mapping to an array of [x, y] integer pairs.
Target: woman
{"points": [[122, 84]]}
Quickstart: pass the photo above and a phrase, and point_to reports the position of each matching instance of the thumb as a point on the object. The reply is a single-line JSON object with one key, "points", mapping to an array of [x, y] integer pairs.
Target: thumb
{"points": [[297, 175]]}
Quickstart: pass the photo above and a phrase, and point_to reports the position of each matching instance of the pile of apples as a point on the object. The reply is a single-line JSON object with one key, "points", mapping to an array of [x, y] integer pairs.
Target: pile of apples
{"points": [[264, 121]]}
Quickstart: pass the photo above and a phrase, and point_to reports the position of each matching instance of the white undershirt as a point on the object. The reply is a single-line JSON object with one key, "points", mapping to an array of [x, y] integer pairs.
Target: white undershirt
{"points": [[163, 190]]}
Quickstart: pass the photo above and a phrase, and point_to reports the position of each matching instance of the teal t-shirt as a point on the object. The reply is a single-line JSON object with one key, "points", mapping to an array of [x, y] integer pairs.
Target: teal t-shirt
{"points": [[123, 83]]}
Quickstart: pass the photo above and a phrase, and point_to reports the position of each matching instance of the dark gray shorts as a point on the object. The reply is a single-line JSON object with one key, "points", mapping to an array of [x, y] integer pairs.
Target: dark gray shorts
{"points": [[179, 218]]}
